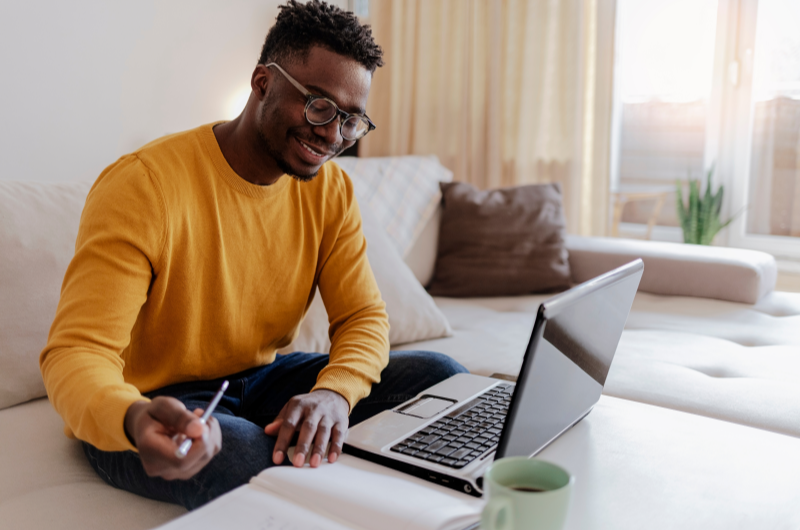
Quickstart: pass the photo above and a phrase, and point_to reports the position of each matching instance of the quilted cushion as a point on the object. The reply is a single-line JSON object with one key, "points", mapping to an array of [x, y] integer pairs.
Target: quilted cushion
{"points": [[38, 227], [403, 191], [725, 360]]}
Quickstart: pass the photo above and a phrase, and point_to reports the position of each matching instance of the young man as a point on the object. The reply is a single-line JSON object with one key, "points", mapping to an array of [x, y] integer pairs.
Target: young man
{"points": [[196, 259]]}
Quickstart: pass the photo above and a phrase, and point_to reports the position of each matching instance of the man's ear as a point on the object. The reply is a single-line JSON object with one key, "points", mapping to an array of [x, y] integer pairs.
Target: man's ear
{"points": [[260, 81]]}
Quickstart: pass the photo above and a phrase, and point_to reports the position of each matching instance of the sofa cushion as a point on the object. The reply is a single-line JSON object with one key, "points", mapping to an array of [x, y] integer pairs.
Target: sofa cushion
{"points": [[413, 315], [733, 274], [47, 482], [500, 242], [38, 227], [736, 362], [421, 258], [403, 191]]}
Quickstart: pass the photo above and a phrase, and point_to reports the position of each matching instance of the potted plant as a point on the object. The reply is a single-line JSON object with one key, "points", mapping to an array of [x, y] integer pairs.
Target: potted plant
{"points": [[700, 218]]}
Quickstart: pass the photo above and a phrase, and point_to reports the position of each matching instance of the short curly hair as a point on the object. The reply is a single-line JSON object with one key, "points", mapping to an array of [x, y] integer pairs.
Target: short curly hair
{"points": [[299, 27]]}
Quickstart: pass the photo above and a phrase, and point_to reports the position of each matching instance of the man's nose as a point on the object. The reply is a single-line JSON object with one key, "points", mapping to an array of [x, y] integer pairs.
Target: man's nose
{"points": [[329, 131]]}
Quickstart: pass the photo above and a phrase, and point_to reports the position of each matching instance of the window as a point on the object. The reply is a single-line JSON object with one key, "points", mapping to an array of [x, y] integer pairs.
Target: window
{"points": [[702, 83]]}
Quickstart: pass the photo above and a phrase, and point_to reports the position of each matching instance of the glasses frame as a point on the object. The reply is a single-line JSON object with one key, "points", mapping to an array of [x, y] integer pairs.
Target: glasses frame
{"points": [[339, 112]]}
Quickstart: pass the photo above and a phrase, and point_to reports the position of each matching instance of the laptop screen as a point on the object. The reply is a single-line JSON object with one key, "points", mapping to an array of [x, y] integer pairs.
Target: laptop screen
{"points": [[568, 358]]}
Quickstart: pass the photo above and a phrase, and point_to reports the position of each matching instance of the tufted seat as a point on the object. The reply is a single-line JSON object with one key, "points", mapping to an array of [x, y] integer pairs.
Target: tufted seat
{"points": [[724, 360]]}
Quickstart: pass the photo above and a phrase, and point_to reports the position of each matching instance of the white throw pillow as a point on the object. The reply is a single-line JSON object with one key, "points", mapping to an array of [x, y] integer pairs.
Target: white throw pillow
{"points": [[38, 228], [413, 315], [402, 191]]}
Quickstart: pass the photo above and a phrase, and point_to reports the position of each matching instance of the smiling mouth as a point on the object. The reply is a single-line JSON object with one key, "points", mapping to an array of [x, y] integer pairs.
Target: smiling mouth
{"points": [[311, 150]]}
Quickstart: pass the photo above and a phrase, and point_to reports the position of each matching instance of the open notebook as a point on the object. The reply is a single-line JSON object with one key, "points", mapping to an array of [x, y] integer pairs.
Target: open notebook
{"points": [[350, 494]]}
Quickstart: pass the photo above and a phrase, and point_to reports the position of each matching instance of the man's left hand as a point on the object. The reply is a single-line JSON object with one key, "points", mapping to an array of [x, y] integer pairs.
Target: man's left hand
{"points": [[320, 416]]}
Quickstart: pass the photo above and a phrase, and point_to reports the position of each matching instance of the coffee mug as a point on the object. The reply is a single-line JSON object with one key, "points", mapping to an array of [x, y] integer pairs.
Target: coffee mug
{"points": [[525, 493]]}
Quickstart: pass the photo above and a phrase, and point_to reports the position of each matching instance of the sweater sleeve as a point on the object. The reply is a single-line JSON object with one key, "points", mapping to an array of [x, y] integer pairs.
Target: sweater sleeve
{"points": [[359, 325], [120, 239]]}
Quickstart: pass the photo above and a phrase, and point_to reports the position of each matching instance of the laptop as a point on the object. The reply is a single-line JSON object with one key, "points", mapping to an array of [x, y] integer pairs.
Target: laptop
{"points": [[451, 432]]}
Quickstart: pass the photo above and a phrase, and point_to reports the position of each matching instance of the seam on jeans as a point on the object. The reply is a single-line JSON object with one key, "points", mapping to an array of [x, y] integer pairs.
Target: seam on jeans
{"points": [[99, 469], [243, 407]]}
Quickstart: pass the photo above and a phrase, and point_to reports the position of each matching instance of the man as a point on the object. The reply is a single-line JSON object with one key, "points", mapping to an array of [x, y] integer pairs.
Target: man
{"points": [[196, 259]]}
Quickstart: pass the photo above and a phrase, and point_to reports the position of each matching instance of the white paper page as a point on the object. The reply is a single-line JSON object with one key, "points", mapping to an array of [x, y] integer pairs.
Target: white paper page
{"points": [[369, 496], [249, 508]]}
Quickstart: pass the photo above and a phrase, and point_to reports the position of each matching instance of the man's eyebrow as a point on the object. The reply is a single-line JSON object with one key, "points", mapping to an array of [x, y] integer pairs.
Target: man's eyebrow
{"points": [[322, 92]]}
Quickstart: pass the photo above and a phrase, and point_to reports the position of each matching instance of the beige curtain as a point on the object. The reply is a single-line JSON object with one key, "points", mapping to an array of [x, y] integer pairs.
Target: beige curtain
{"points": [[504, 92]]}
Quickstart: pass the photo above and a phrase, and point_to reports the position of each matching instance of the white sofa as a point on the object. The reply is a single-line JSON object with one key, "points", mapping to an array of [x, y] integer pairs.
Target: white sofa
{"points": [[699, 426]]}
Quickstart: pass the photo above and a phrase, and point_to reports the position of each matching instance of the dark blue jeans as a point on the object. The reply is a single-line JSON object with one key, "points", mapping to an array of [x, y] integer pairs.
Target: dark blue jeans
{"points": [[254, 399]]}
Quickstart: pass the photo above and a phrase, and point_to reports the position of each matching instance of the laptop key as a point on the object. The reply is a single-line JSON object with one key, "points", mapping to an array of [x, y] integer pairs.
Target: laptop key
{"points": [[429, 439], [449, 437], [460, 464], [472, 445], [398, 448], [409, 451], [434, 458], [464, 439], [446, 450], [460, 454], [435, 446], [448, 461]]}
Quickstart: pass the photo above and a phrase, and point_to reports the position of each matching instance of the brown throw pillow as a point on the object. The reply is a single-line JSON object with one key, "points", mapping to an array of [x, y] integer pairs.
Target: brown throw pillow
{"points": [[500, 242]]}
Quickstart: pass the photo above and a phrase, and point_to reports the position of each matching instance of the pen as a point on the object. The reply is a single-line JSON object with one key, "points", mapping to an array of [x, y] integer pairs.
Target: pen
{"points": [[183, 449]]}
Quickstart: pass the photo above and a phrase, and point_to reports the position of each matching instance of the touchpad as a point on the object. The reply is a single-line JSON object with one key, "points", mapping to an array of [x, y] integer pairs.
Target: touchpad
{"points": [[426, 406]]}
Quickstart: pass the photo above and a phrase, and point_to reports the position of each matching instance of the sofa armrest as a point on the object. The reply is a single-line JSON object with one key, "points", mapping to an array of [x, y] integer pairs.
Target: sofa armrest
{"points": [[732, 274]]}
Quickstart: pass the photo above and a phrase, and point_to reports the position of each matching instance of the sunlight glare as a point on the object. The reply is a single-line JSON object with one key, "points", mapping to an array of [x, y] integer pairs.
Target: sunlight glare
{"points": [[237, 102], [666, 49]]}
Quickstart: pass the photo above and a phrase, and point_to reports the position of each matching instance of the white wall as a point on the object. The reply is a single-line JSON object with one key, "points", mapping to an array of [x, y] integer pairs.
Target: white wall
{"points": [[85, 81]]}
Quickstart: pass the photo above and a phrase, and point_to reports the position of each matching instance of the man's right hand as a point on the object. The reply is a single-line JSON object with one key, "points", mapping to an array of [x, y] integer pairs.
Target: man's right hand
{"points": [[151, 426]]}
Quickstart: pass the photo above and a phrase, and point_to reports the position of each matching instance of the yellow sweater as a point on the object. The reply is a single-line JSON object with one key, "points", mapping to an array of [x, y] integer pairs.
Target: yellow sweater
{"points": [[184, 271]]}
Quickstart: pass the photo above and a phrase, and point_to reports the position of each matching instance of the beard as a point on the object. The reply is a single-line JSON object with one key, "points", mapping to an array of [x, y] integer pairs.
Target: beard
{"points": [[277, 155]]}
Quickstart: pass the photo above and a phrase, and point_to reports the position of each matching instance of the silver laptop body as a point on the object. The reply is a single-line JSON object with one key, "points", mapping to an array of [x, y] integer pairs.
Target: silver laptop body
{"points": [[452, 431]]}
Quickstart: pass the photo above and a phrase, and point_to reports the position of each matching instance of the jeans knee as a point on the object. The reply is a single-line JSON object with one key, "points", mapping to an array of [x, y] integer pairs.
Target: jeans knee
{"points": [[433, 365]]}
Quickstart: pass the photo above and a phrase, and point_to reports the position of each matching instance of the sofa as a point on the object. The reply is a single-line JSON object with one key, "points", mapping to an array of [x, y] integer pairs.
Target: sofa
{"points": [[698, 427]]}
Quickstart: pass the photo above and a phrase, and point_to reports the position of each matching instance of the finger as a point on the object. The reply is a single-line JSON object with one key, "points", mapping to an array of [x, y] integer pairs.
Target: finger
{"points": [[215, 434], [272, 428], [320, 442], [202, 451], [338, 436], [308, 430], [173, 415], [157, 453], [289, 425]]}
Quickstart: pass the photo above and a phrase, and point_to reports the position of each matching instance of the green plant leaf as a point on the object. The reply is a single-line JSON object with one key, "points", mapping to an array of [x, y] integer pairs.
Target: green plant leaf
{"points": [[683, 216], [694, 212], [700, 217]]}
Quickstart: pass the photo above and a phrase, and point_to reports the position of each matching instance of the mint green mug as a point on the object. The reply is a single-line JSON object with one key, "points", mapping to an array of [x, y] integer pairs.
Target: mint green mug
{"points": [[525, 493]]}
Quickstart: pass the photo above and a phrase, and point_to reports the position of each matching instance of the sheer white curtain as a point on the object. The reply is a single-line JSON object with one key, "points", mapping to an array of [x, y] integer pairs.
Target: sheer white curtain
{"points": [[504, 92]]}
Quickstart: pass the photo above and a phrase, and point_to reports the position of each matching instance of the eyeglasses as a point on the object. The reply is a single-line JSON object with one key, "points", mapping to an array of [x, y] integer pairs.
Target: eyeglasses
{"points": [[321, 111]]}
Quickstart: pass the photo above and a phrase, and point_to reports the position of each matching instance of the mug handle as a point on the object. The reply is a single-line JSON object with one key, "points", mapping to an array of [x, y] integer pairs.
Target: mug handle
{"points": [[492, 512]]}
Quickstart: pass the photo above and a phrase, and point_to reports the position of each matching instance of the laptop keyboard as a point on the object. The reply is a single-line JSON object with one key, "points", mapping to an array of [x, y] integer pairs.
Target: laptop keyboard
{"points": [[463, 435]]}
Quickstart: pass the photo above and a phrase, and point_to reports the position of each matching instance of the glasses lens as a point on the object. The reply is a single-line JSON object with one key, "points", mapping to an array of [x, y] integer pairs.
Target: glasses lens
{"points": [[354, 128], [320, 111]]}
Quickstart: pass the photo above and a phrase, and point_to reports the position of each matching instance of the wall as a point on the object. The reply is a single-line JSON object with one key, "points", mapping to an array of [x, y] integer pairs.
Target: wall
{"points": [[85, 81]]}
